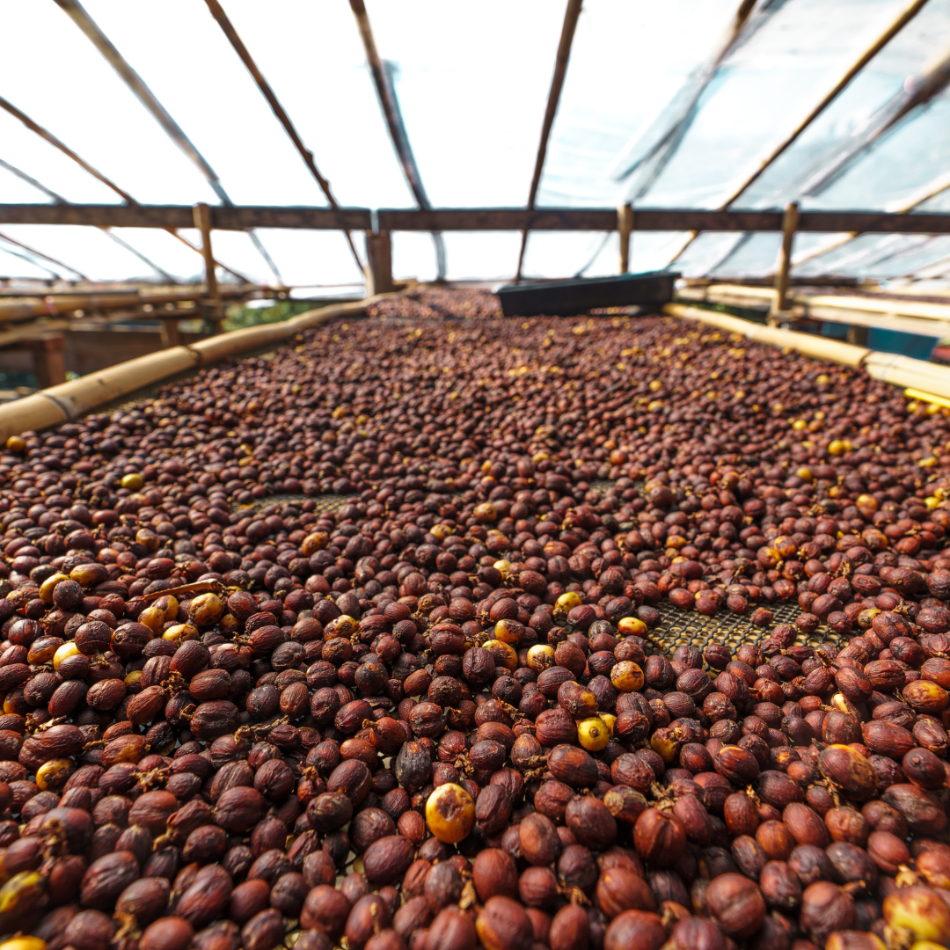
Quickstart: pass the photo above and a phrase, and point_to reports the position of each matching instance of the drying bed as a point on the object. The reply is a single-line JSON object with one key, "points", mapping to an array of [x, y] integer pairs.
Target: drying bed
{"points": [[438, 630]]}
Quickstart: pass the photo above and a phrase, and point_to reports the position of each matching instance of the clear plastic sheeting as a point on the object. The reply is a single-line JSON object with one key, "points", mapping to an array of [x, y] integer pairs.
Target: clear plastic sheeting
{"points": [[472, 82], [316, 257], [74, 93], [762, 91], [87, 249], [166, 252], [706, 252], [15, 262], [924, 38], [755, 256], [480, 255], [628, 60], [311, 54]]}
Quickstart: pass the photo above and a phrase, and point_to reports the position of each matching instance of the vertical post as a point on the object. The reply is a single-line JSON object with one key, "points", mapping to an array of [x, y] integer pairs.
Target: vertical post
{"points": [[170, 335], [789, 224], [379, 263], [625, 227], [48, 362], [202, 218]]}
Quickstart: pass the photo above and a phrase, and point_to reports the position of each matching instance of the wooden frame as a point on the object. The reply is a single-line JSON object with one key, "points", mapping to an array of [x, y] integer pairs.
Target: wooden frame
{"points": [[240, 218]]}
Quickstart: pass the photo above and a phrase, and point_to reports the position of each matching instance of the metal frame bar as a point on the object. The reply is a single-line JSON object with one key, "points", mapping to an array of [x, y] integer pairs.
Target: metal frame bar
{"points": [[386, 93], [571, 14], [217, 11], [48, 136]]}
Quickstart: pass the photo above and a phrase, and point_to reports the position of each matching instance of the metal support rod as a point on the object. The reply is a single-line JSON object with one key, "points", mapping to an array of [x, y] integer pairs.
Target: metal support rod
{"points": [[148, 99], [48, 136], [625, 228], [554, 97], [203, 224], [789, 223], [41, 255], [386, 93], [231, 33]]}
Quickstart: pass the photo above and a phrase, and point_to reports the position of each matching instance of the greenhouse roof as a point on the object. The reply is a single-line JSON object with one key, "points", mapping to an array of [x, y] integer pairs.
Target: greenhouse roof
{"points": [[673, 105]]}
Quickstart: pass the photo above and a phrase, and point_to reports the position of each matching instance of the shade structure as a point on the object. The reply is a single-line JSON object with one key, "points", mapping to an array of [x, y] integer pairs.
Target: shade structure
{"points": [[471, 85]]}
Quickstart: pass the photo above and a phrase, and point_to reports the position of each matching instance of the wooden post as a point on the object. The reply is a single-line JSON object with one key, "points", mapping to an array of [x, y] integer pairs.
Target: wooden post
{"points": [[170, 334], [202, 214], [48, 362], [789, 223], [625, 227], [379, 263]]}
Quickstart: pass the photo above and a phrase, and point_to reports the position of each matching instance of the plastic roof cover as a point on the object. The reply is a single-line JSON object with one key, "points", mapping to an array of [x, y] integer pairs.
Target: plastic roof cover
{"points": [[472, 82]]}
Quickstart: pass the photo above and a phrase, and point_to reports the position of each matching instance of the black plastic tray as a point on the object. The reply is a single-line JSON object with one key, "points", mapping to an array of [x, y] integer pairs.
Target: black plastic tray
{"points": [[569, 297]]}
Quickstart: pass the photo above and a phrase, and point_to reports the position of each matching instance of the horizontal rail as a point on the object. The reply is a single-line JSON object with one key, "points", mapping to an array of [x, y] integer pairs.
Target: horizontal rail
{"points": [[469, 219]]}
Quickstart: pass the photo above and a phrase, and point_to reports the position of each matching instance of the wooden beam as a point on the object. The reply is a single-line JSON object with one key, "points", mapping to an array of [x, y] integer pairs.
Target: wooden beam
{"points": [[180, 216], [625, 228], [789, 223], [472, 219], [48, 362], [654, 219], [231, 33], [202, 217], [571, 13]]}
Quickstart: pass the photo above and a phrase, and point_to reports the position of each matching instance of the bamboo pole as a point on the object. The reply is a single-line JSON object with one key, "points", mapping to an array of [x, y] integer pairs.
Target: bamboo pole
{"points": [[571, 13], [56, 143], [27, 307], [893, 28], [818, 347], [235, 40], [789, 223], [203, 224], [625, 229]]}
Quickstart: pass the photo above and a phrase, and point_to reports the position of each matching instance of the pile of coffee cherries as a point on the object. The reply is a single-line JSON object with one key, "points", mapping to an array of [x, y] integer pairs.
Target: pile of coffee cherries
{"points": [[440, 714]]}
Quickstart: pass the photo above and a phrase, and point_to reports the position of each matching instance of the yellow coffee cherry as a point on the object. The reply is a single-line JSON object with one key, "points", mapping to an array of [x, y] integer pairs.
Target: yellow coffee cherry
{"points": [[568, 601], [627, 677], [504, 654], [450, 813], [632, 627], [46, 588], [593, 734], [508, 631], [133, 481], [52, 775], [63, 652], [540, 656]]}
